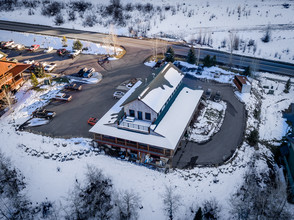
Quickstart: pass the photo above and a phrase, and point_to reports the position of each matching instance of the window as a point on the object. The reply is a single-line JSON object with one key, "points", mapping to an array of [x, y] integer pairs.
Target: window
{"points": [[140, 116], [132, 113], [147, 116]]}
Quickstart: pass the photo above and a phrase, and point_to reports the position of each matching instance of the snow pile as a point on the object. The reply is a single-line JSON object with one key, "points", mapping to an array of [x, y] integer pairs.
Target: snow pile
{"points": [[209, 122], [46, 41]]}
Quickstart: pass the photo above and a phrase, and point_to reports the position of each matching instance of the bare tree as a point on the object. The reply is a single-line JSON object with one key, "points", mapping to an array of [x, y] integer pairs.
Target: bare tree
{"points": [[211, 209], [171, 201], [128, 203]]}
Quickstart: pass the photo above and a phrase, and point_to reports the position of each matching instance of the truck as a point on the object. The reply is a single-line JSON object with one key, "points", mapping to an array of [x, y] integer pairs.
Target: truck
{"points": [[43, 113], [62, 97]]}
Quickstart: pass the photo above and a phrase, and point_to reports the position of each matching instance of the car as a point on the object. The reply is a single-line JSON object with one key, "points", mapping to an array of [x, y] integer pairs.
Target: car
{"points": [[62, 97], [208, 94], [118, 94], [73, 86], [12, 46], [103, 60], [48, 50], [19, 47], [7, 44], [43, 113], [158, 64], [29, 61], [43, 64], [92, 121], [89, 73], [62, 52], [34, 47], [82, 71], [49, 67], [200, 69], [75, 53], [217, 96]]}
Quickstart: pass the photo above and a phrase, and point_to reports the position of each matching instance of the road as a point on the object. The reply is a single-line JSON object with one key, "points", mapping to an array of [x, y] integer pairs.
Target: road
{"points": [[221, 57]]}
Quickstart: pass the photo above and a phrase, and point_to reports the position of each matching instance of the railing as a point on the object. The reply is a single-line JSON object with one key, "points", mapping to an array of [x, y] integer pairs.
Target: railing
{"points": [[5, 78], [134, 126]]}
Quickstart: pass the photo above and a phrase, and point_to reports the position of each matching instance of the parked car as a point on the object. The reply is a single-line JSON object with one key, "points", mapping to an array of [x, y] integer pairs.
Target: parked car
{"points": [[217, 96], [158, 64], [118, 94], [75, 53], [62, 97], [49, 67], [34, 47], [89, 73], [208, 94], [19, 47], [92, 121], [62, 52], [82, 71], [29, 61], [43, 64], [48, 50], [73, 86], [7, 44], [200, 69], [43, 113]]}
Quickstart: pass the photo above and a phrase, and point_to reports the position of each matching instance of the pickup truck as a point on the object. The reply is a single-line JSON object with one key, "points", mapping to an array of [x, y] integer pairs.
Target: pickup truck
{"points": [[43, 113], [73, 86], [62, 97]]}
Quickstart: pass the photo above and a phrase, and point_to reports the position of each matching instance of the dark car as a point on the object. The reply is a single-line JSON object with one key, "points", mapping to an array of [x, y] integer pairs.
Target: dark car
{"points": [[89, 73], [217, 96], [43, 113], [73, 86], [207, 94], [62, 52], [158, 64], [200, 69], [82, 71]]}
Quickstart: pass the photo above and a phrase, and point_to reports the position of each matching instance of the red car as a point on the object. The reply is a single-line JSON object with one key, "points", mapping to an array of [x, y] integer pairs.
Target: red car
{"points": [[62, 52], [34, 47], [92, 121]]}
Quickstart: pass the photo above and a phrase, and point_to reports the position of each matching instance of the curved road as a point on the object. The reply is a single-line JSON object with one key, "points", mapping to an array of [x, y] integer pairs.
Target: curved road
{"points": [[222, 57]]}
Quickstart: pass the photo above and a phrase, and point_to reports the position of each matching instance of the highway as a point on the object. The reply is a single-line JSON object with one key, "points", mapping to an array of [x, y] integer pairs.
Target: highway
{"points": [[129, 43]]}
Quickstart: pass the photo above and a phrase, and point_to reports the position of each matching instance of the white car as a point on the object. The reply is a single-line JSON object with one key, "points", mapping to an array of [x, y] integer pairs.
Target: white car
{"points": [[48, 50], [74, 53], [50, 67], [29, 61], [43, 64], [19, 46], [118, 94]]}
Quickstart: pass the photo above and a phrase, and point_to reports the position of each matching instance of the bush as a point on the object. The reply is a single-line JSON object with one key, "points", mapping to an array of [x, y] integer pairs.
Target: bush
{"points": [[287, 86], [34, 80], [80, 6], [253, 137], [90, 20], [267, 36], [77, 45], [52, 9], [209, 61], [71, 15], [247, 71], [59, 20], [211, 209]]}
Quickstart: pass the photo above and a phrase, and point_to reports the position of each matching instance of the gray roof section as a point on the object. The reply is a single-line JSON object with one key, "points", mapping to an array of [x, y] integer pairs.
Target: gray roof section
{"points": [[153, 81]]}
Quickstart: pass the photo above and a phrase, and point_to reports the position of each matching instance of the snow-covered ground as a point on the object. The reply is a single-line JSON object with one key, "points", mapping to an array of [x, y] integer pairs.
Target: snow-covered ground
{"points": [[46, 41], [51, 165], [208, 122], [214, 21]]}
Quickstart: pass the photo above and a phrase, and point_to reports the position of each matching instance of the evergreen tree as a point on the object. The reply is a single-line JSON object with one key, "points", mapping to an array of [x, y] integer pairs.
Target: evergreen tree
{"points": [[191, 56], [34, 80], [170, 55], [253, 137], [77, 45], [213, 61], [247, 71], [207, 61], [198, 215], [39, 71], [287, 86]]}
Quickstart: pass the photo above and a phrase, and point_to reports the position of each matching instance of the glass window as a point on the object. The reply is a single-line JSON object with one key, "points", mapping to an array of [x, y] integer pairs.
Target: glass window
{"points": [[132, 113], [148, 116], [140, 117]]}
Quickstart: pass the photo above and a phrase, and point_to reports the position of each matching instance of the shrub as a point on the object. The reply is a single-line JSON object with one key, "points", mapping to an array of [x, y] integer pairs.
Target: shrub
{"points": [[287, 86], [59, 20], [34, 80], [77, 45], [90, 20], [247, 71], [267, 36], [80, 6], [52, 9]]}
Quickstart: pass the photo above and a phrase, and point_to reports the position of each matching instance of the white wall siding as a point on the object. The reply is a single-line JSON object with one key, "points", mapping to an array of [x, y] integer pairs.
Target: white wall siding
{"points": [[138, 105]]}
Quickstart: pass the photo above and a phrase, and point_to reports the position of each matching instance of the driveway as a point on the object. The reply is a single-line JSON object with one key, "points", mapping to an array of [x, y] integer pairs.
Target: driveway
{"points": [[224, 143]]}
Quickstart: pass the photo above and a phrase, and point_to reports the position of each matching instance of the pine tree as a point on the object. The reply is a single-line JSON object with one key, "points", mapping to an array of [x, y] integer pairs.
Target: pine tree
{"points": [[170, 55], [191, 56], [206, 61], [77, 45], [287, 86], [247, 71], [39, 71], [253, 137], [34, 80], [213, 61], [198, 215]]}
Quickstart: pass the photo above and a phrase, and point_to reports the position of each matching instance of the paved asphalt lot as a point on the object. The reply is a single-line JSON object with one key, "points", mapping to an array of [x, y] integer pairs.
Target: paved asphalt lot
{"points": [[96, 100]]}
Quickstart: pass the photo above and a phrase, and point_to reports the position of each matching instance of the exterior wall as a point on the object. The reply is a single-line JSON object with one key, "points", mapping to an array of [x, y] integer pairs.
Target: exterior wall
{"points": [[138, 105]]}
